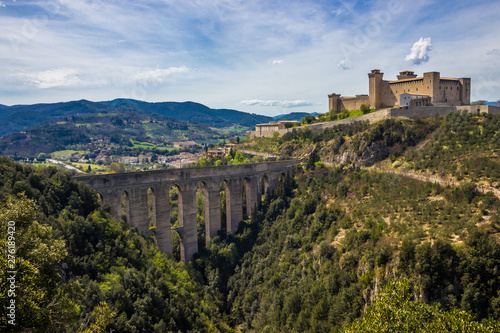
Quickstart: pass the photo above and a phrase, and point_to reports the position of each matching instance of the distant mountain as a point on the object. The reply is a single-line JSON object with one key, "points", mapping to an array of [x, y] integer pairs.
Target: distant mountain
{"points": [[2, 106], [23, 117], [191, 111], [292, 116]]}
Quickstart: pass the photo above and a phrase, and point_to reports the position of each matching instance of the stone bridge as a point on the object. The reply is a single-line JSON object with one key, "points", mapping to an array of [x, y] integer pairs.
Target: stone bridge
{"points": [[132, 188]]}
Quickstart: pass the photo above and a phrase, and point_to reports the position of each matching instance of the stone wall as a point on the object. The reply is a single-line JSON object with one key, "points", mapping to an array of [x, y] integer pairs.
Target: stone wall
{"points": [[412, 112], [353, 103]]}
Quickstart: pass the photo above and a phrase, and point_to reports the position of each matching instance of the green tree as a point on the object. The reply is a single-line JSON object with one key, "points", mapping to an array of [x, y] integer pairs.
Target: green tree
{"points": [[42, 300], [394, 311], [312, 159], [103, 316], [307, 120]]}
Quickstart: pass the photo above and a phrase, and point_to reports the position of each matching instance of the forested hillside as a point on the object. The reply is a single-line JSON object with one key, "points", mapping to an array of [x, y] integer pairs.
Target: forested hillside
{"points": [[80, 271], [23, 117], [340, 248], [118, 129]]}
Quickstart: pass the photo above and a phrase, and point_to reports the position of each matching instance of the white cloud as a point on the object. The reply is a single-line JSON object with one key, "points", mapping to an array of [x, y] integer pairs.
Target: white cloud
{"points": [[283, 104], [157, 76], [494, 52], [344, 64], [61, 77], [420, 51], [277, 61]]}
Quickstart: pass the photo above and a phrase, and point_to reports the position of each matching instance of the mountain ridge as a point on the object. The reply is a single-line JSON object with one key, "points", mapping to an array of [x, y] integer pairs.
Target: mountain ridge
{"points": [[22, 117]]}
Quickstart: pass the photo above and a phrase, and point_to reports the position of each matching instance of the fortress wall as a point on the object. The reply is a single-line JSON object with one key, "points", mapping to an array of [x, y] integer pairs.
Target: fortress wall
{"points": [[411, 87], [494, 110], [387, 96], [371, 117], [449, 92], [418, 112], [415, 112], [353, 103]]}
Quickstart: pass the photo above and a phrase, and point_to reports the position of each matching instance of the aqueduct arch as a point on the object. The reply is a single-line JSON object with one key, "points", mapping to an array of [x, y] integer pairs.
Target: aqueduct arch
{"points": [[136, 184]]}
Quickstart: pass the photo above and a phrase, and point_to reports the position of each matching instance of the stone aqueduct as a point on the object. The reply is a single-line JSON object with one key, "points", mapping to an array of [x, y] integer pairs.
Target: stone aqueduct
{"points": [[134, 186]]}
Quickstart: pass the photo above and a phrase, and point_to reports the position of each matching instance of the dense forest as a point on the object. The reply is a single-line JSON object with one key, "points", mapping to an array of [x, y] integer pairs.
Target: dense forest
{"points": [[333, 249], [79, 270]]}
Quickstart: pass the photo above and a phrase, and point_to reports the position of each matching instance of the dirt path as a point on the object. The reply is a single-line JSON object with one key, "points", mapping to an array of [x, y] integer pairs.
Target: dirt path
{"points": [[69, 167], [445, 181], [256, 153]]}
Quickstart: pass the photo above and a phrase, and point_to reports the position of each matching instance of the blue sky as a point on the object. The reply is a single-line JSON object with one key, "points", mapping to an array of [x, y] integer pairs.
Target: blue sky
{"points": [[266, 57]]}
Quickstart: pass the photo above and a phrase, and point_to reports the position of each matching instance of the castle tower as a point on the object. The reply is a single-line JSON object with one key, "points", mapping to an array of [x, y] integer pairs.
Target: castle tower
{"points": [[406, 75], [432, 81], [465, 91], [333, 102], [375, 81]]}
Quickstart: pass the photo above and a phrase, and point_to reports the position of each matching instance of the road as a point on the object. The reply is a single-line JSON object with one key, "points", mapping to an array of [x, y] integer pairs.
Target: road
{"points": [[69, 167]]}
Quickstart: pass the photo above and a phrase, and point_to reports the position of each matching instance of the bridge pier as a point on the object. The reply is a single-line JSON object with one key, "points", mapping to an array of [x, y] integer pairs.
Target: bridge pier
{"points": [[113, 199], [212, 211], [187, 220], [234, 205], [139, 209], [161, 215], [252, 195]]}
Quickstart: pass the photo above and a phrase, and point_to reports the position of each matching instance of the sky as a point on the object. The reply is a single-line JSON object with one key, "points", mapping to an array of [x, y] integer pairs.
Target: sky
{"points": [[258, 56]]}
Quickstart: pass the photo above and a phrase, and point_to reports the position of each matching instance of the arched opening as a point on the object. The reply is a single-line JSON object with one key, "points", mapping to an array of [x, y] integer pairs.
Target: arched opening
{"points": [[125, 206], [152, 213], [201, 209], [174, 221], [250, 196], [100, 198], [264, 187]]}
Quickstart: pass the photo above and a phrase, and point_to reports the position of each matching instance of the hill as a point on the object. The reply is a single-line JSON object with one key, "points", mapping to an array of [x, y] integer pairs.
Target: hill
{"points": [[457, 147], [23, 117], [292, 116], [191, 111], [118, 129], [351, 247]]}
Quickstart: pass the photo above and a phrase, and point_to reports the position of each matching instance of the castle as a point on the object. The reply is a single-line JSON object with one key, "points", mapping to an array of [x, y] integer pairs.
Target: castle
{"points": [[409, 97], [407, 90]]}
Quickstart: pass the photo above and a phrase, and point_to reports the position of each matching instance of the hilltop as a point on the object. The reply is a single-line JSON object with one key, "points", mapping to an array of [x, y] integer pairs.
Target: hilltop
{"points": [[459, 146], [22, 117]]}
